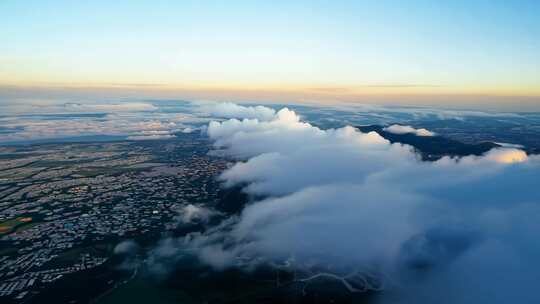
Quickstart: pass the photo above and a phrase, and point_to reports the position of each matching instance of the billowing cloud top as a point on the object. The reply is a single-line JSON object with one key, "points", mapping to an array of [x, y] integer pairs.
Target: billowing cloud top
{"points": [[399, 129], [346, 198], [507, 156], [232, 110]]}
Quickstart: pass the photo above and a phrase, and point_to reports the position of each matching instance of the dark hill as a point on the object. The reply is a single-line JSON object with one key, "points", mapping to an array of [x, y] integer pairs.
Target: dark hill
{"points": [[432, 147]]}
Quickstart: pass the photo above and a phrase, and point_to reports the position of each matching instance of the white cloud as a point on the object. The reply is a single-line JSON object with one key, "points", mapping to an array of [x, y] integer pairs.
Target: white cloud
{"points": [[342, 197], [41, 107], [400, 129], [423, 112], [135, 126], [109, 107], [231, 110], [192, 213], [507, 156], [508, 145], [127, 247], [188, 130]]}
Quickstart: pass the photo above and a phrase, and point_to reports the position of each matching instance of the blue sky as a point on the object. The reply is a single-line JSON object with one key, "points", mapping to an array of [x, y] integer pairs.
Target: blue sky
{"points": [[347, 47]]}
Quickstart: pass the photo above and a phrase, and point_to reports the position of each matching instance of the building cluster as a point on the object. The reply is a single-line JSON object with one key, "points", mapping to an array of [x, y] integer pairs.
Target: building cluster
{"points": [[101, 200]]}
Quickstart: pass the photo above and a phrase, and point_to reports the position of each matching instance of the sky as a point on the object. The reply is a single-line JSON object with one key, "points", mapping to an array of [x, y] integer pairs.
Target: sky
{"points": [[453, 51]]}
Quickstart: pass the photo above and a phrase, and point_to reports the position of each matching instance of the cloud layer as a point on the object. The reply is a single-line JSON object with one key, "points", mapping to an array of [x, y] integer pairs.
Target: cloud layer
{"points": [[129, 120], [232, 110], [400, 129], [461, 229]]}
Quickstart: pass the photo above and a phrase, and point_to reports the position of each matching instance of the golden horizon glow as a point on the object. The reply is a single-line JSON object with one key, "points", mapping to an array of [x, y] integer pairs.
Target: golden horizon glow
{"points": [[323, 51], [389, 89]]}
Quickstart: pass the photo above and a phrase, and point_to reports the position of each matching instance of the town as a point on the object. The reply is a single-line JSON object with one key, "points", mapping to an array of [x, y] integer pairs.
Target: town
{"points": [[63, 207]]}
